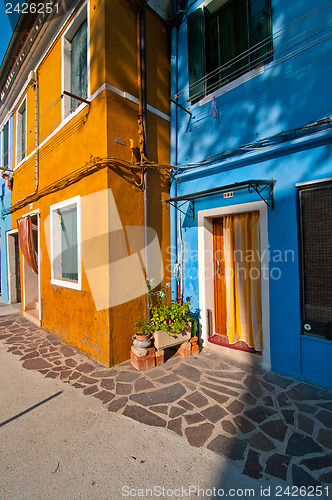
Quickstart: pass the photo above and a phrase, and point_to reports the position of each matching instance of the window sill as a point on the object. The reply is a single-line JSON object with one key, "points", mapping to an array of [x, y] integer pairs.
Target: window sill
{"points": [[73, 285], [231, 85], [18, 165], [67, 117]]}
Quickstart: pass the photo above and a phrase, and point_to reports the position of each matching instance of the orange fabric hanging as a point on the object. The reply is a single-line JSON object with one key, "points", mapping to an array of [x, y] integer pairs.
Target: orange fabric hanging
{"points": [[27, 244], [243, 279]]}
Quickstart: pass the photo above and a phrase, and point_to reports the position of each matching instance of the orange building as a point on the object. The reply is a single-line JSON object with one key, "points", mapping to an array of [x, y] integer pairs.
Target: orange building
{"points": [[87, 87]]}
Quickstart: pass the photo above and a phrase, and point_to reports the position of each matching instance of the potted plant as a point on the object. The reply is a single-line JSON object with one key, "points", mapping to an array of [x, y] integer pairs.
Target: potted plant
{"points": [[170, 319], [144, 329]]}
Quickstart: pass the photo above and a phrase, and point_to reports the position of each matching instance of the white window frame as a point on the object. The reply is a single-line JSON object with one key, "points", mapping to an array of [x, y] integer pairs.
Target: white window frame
{"points": [[18, 152], [55, 239], [66, 38]]}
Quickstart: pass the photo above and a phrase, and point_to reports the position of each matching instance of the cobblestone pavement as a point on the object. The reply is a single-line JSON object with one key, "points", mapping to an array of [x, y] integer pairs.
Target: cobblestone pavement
{"points": [[269, 425]]}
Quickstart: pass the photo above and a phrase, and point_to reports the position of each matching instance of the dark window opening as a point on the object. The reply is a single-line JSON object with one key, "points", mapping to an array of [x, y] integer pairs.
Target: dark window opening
{"points": [[5, 144], [227, 42], [79, 65], [315, 224]]}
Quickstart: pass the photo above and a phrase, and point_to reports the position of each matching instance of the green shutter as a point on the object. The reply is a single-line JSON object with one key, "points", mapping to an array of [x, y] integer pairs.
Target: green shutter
{"points": [[212, 44], [5, 143], [196, 54], [69, 263], [234, 40], [79, 64], [260, 31]]}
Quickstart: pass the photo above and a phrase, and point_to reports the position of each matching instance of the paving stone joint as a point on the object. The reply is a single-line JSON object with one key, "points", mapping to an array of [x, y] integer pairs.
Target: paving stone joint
{"points": [[270, 425]]}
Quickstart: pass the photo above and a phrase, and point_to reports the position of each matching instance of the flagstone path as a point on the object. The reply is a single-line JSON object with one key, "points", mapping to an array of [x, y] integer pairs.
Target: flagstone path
{"points": [[270, 425]]}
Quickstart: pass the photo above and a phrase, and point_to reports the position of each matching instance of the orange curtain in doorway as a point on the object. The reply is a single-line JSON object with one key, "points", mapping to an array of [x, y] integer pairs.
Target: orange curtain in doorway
{"points": [[243, 280], [27, 244]]}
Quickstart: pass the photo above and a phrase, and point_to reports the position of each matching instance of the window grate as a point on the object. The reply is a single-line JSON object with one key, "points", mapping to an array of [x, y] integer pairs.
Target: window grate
{"points": [[316, 258]]}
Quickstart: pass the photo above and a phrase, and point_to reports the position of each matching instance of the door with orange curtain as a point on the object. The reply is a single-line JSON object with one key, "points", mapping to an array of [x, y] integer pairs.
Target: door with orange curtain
{"points": [[220, 311], [237, 279]]}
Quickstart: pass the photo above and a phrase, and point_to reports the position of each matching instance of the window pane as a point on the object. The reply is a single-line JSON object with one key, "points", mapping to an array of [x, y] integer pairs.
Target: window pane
{"points": [[23, 132], [69, 262], [79, 64], [212, 52], [227, 43], [234, 40], [260, 31]]}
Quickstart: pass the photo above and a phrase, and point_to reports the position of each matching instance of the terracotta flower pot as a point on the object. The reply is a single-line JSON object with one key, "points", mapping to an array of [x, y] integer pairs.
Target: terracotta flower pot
{"points": [[142, 342], [141, 336]]}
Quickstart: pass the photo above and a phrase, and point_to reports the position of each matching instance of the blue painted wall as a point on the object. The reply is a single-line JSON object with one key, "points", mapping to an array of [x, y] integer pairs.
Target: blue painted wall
{"points": [[294, 90], [5, 220], [5, 225]]}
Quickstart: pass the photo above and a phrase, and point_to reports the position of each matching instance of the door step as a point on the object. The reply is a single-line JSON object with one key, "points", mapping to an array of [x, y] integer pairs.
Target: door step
{"points": [[245, 357], [33, 316], [238, 346]]}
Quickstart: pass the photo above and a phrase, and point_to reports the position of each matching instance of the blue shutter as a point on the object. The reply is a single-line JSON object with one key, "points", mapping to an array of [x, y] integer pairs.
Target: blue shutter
{"points": [[260, 31], [69, 263], [196, 54], [79, 64]]}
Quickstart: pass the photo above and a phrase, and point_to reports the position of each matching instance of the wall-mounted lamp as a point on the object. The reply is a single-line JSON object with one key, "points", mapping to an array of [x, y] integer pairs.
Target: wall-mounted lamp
{"points": [[8, 180]]}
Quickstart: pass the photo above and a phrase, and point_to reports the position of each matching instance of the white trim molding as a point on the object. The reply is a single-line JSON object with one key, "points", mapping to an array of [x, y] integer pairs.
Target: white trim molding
{"points": [[19, 133], [55, 239], [206, 274], [82, 14]]}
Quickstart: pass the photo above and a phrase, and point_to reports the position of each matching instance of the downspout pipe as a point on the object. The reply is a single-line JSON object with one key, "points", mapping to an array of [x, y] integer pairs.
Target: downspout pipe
{"points": [[144, 145], [36, 134], [34, 84], [174, 151]]}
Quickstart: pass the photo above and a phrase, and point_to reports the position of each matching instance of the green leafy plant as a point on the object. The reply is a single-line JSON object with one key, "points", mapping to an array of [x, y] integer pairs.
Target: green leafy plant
{"points": [[166, 314], [143, 327]]}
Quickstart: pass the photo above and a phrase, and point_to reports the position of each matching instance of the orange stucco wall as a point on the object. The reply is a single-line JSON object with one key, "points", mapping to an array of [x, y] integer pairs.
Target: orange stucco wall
{"points": [[103, 129]]}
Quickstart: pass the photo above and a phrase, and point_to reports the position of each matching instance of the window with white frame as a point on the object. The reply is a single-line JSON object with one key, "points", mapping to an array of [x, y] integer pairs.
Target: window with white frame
{"points": [[5, 146], [66, 243], [226, 39], [75, 66], [21, 131]]}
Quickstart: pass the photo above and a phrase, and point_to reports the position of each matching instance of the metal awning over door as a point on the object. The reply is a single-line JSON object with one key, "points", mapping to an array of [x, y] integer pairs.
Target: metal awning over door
{"points": [[264, 189]]}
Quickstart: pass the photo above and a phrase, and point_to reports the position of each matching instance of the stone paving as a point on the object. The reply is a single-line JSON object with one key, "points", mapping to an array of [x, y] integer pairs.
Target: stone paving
{"points": [[269, 425]]}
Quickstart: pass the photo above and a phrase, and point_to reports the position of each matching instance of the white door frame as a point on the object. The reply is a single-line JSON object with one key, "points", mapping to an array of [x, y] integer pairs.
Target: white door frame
{"points": [[11, 274], [206, 270], [33, 212]]}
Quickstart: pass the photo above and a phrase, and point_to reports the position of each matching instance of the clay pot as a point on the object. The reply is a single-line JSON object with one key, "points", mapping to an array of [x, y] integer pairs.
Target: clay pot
{"points": [[141, 336], [142, 342]]}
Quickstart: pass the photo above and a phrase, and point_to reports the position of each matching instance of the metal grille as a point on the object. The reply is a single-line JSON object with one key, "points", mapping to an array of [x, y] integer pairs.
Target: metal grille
{"points": [[316, 250]]}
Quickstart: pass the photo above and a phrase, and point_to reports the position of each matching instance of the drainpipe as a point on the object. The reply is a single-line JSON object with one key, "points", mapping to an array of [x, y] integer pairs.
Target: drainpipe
{"points": [[34, 83], [36, 133], [142, 112], [174, 158]]}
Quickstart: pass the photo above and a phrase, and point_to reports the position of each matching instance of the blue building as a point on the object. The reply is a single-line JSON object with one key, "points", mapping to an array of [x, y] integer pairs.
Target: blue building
{"points": [[251, 194], [10, 288]]}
